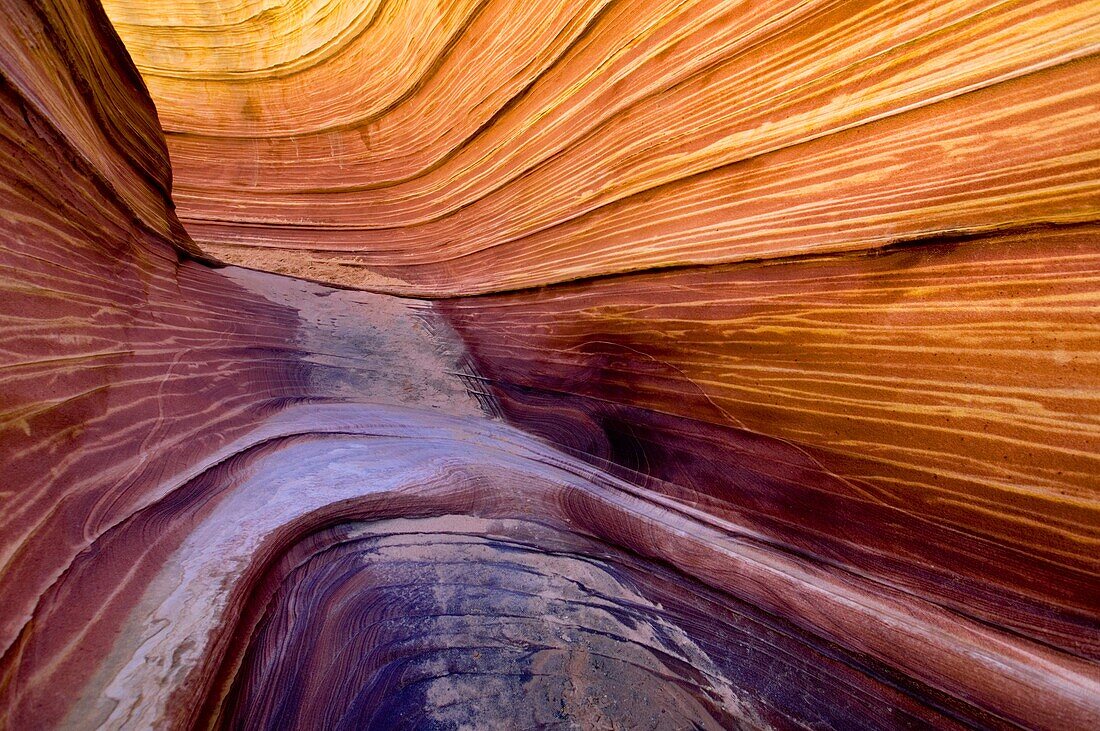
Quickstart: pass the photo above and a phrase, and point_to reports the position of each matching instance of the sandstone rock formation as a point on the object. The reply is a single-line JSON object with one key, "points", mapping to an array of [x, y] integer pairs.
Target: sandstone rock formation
{"points": [[694, 364]]}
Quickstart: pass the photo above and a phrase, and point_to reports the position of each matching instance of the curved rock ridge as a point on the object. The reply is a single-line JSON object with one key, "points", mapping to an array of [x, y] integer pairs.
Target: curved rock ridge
{"points": [[221, 630], [759, 389]]}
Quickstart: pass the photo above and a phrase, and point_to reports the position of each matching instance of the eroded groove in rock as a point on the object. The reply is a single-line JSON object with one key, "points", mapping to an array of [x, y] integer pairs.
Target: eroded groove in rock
{"points": [[512, 623], [459, 621], [830, 464]]}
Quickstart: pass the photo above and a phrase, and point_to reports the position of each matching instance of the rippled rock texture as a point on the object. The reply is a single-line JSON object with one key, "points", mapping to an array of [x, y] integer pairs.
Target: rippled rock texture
{"points": [[726, 365]]}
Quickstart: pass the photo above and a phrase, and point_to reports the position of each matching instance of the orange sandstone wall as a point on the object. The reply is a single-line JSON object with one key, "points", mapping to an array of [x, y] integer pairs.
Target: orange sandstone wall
{"points": [[448, 149], [896, 203], [794, 306], [925, 415]]}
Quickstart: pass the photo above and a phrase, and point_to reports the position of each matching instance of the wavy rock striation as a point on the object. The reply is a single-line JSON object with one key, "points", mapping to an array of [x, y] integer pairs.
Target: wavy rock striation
{"points": [[599, 136], [753, 380]]}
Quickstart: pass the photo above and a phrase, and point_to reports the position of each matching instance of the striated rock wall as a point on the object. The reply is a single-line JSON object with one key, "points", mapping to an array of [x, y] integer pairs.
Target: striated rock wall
{"points": [[762, 391], [925, 415], [464, 147]]}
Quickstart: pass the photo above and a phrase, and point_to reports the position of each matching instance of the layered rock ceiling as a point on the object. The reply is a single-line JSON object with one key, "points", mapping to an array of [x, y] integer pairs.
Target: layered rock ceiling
{"points": [[643, 364]]}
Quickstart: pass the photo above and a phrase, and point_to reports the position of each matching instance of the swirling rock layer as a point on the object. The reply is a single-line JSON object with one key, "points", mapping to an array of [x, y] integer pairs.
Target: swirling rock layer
{"points": [[514, 145], [762, 391]]}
